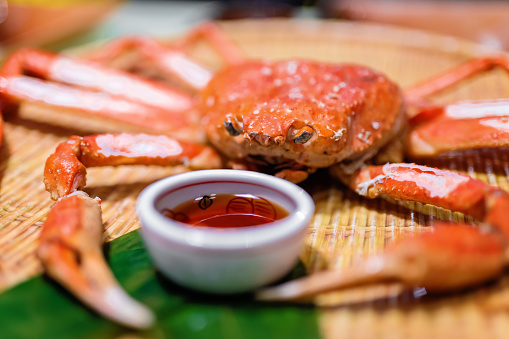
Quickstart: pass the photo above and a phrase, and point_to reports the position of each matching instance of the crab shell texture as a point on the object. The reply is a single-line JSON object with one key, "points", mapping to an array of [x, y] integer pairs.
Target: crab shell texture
{"points": [[315, 114]]}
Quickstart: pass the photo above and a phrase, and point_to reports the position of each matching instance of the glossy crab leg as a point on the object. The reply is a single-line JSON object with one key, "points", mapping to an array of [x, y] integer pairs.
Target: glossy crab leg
{"points": [[70, 243], [455, 75], [442, 188], [59, 68], [168, 61], [70, 248], [448, 258], [172, 60], [461, 126], [101, 111], [65, 170], [96, 98], [217, 38], [153, 49]]}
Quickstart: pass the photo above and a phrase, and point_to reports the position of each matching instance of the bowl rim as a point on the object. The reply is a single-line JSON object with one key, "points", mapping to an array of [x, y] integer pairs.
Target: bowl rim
{"points": [[223, 239]]}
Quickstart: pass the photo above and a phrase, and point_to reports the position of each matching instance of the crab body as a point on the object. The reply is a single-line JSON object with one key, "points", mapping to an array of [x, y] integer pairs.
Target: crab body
{"points": [[309, 113]]}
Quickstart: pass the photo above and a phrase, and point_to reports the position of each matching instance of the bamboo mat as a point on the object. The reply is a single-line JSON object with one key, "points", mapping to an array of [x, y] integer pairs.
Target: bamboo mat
{"points": [[345, 229]]}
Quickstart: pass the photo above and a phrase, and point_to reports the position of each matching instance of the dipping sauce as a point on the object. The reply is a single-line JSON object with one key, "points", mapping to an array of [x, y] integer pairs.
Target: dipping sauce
{"points": [[227, 211]]}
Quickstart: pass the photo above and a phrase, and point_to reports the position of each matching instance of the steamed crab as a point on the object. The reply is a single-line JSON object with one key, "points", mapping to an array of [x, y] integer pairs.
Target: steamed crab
{"points": [[287, 118]]}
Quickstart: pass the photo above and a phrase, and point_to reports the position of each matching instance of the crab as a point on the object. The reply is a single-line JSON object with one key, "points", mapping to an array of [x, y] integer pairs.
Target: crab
{"points": [[288, 118]]}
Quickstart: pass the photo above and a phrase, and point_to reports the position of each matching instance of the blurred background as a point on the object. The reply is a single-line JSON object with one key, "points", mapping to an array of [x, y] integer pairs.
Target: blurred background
{"points": [[64, 23]]}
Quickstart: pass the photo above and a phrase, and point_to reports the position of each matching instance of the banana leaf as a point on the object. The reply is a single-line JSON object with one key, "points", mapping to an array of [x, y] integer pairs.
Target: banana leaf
{"points": [[39, 308]]}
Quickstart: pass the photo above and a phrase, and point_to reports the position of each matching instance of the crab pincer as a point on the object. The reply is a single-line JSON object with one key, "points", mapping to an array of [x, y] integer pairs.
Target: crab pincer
{"points": [[70, 249], [71, 238], [65, 170], [448, 258]]}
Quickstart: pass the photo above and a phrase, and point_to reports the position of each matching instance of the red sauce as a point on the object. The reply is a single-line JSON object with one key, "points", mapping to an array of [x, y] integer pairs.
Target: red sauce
{"points": [[227, 211]]}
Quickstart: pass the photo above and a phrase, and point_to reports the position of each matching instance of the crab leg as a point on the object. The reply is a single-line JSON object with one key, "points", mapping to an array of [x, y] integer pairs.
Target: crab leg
{"points": [[210, 32], [168, 61], [442, 188], [447, 258], [70, 249], [172, 60], [70, 244], [100, 110], [59, 68], [105, 99], [216, 37], [455, 75], [65, 169], [460, 126]]}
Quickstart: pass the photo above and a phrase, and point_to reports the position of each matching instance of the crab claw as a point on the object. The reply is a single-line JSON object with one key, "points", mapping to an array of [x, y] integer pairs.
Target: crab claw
{"points": [[442, 260], [70, 249], [65, 170], [448, 258]]}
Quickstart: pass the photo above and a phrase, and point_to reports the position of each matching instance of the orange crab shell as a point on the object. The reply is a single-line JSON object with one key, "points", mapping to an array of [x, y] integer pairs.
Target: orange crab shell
{"points": [[347, 109]]}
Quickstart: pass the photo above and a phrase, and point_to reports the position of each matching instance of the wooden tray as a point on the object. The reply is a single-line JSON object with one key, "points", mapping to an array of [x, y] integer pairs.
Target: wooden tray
{"points": [[345, 229]]}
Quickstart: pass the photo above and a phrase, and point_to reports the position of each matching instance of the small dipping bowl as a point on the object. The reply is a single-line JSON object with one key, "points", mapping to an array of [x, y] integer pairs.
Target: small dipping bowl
{"points": [[223, 260]]}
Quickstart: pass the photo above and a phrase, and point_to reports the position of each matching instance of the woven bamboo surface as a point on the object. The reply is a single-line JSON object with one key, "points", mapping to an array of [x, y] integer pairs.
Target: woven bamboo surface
{"points": [[345, 229]]}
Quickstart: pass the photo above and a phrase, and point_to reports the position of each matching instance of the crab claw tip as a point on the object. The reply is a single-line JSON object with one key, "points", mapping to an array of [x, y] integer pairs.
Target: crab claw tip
{"points": [[127, 310], [288, 291]]}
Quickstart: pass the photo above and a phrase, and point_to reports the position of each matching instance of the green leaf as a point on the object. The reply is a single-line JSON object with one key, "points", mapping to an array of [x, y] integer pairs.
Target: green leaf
{"points": [[39, 308]]}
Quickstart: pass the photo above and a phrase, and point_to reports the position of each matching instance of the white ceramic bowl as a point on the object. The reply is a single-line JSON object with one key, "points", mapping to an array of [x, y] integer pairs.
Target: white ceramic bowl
{"points": [[223, 260]]}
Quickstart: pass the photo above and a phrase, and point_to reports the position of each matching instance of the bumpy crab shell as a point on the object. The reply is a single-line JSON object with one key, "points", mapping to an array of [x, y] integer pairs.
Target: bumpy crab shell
{"points": [[312, 113]]}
